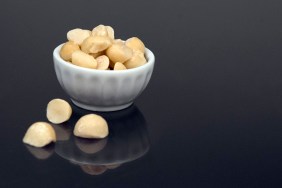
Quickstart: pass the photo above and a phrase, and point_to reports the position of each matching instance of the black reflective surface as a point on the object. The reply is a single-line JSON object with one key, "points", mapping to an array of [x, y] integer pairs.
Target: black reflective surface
{"points": [[211, 115]]}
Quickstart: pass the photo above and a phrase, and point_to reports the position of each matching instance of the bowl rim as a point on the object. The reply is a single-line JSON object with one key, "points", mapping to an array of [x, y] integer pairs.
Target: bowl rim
{"points": [[148, 54]]}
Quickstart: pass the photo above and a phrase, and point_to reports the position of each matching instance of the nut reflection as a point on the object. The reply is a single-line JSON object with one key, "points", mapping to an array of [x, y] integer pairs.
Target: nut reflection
{"points": [[90, 146], [41, 153], [128, 140], [93, 170]]}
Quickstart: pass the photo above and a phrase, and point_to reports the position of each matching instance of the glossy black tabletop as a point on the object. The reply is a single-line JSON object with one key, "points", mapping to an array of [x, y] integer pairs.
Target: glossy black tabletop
{"points": [[211, 115]]}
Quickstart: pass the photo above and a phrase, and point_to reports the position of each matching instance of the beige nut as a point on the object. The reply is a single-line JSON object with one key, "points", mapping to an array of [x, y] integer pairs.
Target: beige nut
{"points": [[135, 44], [138, 59], [119, 66], [91, 126], [78, 35], [39, 134], [119, 53], [82, 59], [103, 62], [105, 31], [95, 44], [58, 111], [67, 49]]}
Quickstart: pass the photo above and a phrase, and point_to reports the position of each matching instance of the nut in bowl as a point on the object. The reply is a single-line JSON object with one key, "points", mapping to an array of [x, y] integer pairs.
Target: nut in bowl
{"points": [[101, 89]]}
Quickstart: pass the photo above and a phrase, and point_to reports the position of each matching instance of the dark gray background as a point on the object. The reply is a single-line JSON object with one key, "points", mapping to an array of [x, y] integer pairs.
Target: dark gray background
{"points": [[213, 107]]}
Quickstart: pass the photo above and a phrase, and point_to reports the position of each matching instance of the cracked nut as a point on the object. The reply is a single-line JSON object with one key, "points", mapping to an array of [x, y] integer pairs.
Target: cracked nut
{"points": [[119, 53], [67, 49], [119, 66], [91, 126], [78, 35], [39, 134], [137, 60], [82, 59], [104, 31], [58, 111], [135, 44], [95, 44]]}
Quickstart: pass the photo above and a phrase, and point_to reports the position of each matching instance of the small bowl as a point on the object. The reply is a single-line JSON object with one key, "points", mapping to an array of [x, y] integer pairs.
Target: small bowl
{"points": [[102, 90]]}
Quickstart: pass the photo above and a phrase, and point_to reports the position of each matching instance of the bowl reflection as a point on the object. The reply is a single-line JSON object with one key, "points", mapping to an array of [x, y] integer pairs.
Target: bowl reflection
{"points": [[128, 140]]}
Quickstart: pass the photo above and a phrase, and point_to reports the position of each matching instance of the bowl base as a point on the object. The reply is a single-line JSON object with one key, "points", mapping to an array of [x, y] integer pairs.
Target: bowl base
{"points": [[101, 108]]}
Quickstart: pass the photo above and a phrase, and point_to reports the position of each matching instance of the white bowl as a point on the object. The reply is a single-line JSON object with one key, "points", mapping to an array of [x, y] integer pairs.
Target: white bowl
{"points": [[102, 90]]}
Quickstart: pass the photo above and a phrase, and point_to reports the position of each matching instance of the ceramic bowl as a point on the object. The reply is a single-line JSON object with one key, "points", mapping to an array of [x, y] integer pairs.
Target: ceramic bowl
{"points": [[102, 90]]}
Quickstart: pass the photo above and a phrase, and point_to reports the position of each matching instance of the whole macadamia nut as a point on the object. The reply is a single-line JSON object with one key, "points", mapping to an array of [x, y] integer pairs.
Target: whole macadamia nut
{"points": [[91, 126], [95, 44], [82, 59], [119, 53], [67, 49], [39, 134], [78, 35], [135, 44], [58, 111]]}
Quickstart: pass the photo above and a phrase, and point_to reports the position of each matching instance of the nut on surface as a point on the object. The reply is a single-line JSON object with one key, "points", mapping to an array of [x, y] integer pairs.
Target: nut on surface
{"points": [[58, 111], [91, 126], [39, 134]]}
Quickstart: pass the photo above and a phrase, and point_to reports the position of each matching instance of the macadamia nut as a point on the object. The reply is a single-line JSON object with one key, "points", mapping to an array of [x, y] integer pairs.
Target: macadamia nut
{"points": [[82, 59], [135, 44], [91, 126], [78, 35], [39, 134], [95, 44], [119, 53], [67, 49], [98, 49], [103, 62], [104, 31], [119, 66], [138, 59], [58, 111]]}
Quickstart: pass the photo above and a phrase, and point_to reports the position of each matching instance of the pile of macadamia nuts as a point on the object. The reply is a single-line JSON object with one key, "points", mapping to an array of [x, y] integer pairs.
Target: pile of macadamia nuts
{"points": [[40, 134], [98, 49]]}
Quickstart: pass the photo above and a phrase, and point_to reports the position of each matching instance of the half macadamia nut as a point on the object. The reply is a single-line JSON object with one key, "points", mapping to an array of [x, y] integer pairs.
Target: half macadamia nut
{"points": [[119, 53], [82, 59], [91, 126], [67, 49], [78, 35], [58, 111], [39, 134]]}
